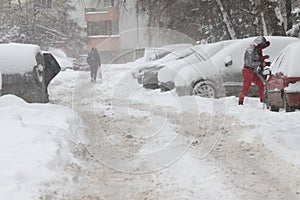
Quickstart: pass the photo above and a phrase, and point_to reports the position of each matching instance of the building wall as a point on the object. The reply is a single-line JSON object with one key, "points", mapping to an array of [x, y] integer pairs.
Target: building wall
{"points": [[131, 33]]}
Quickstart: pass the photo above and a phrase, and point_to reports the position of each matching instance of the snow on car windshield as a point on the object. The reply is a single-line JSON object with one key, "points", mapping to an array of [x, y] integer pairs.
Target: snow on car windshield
{"points": [[290, 62], [18, 58]]}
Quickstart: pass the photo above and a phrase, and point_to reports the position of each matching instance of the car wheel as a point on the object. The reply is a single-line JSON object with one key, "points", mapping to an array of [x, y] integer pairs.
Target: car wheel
{"points": [[266, 99], [286, 105], [274, 108], [205, 89]]}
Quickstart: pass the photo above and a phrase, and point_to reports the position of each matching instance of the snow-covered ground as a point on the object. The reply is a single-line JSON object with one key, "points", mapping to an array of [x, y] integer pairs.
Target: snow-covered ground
{"points": [[143, 144], [34, 146]]}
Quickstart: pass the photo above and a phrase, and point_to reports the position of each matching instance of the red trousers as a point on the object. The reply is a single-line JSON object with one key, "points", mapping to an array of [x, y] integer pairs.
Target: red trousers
{"points": [[249, 77]]}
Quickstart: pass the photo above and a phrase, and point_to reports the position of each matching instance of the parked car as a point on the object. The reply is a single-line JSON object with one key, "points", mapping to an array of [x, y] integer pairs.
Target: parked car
{"points": [[201, 53], [62, 59], [156, 56], [283, 84], [148, 75], [221, 74], [26, 72], [0, 82], [81, 63]]}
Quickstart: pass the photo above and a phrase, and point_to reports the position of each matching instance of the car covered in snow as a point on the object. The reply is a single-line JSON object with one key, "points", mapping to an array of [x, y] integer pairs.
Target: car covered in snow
{"points": [[80, 64], [62, 59], [156, 56], [26, 71], [201, 53], [148, 75], [221, 74], [283, 84]]}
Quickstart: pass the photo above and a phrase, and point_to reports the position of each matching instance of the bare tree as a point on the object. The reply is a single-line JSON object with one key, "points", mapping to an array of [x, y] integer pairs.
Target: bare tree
{"points": [[227, 21], [288, 8]]}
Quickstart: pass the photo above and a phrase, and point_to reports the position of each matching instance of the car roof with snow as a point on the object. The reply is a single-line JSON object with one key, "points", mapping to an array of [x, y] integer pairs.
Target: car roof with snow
{"points": [[18, 58], [288, 61]]}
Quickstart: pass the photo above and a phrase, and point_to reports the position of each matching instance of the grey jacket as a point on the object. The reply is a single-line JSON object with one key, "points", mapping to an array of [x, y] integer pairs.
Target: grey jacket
{"points": [[253, 55]]}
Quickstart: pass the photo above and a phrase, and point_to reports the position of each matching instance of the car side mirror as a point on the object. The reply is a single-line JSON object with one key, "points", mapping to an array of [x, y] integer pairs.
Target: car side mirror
{"points": [[228, 61], [267, 71]]}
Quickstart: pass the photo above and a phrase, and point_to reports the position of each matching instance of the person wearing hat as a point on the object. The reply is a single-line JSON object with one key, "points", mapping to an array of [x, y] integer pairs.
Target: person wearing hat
{"points": [[253, 59]]}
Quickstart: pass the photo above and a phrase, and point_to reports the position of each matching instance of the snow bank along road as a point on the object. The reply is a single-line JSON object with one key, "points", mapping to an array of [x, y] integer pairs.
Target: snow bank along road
{"points": [[143, 144]]}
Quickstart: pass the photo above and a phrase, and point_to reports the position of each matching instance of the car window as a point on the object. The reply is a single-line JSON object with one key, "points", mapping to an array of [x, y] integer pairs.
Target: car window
{"points": [[81, 58], [52, 68], [277, 66]]}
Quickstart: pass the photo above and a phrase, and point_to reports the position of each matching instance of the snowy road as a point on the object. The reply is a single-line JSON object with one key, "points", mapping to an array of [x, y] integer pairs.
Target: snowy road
{"points": [[140, 144]]}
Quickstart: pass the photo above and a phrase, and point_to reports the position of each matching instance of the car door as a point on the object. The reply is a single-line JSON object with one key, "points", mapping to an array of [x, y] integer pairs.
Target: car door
{"points": [[275, 87], [52, 68]]}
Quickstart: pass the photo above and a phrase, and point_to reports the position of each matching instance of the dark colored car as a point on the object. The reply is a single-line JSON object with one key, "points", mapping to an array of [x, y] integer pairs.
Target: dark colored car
{"points": [[283, 84], [26, 72], [80, 64]]}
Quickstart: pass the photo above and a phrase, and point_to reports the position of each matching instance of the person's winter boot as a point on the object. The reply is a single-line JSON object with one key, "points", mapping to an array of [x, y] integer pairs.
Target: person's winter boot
{"points": [[241, 103]]}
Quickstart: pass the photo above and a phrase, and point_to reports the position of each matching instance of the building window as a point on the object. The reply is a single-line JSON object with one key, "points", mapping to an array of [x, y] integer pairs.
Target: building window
{"points": [[102, 28]]}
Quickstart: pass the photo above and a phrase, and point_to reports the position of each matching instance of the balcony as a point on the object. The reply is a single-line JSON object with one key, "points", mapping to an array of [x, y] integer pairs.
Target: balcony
{"points": [[107, 14]]}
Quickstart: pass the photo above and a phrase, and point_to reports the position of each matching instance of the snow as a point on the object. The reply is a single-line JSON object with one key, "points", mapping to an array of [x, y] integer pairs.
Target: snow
{"points": [[296, 10], [0, 82], [278, 131], [33, 146], [202, 53], [288, 61], [62, 59], [293, 87], [18, 58], [211, 68]]}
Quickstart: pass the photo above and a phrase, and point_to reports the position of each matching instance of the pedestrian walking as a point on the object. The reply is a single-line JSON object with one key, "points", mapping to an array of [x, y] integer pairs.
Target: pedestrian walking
{"points": [[94, 62]]}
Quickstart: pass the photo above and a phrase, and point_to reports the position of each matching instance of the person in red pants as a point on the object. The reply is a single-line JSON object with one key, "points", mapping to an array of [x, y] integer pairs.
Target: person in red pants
{"points": [[253, 59]]}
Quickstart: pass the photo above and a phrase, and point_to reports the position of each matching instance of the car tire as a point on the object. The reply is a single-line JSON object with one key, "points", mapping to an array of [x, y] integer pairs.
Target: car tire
{"points": [[266, 99], [205, 89], [286, 105], [274, 108]]}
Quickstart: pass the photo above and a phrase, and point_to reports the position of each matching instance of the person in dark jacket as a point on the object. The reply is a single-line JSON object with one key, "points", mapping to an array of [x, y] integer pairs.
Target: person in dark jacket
{"points": [[254, 59], [94, 62]]}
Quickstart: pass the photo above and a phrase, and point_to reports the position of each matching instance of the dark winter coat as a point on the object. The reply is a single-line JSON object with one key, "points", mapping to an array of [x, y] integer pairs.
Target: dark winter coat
{"points": [[93, 59]]}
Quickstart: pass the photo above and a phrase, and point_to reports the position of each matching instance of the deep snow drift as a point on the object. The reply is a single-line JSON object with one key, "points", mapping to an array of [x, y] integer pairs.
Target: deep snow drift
{"points": [[34, 145]]}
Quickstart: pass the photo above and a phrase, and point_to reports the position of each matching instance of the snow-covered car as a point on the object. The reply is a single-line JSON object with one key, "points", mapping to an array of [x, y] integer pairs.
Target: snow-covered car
{"points": [[157, 56], [283, 84], [26, 72], [201, 53], [0, 82], [62, 59], [148, 75], [221, 74], [80, 64]]}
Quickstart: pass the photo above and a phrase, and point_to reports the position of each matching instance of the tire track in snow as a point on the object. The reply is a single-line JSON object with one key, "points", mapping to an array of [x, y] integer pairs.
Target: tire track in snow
{"points": [[249, 170]]}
